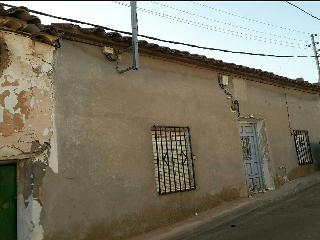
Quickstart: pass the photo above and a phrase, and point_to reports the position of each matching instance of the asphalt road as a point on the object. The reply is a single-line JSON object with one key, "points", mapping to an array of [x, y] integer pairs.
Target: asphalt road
{"points": [[295, 217]]}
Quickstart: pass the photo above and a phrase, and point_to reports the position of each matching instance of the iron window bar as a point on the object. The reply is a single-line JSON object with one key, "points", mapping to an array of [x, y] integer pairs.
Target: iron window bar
{"points": [[303, 149], [173, 159]]}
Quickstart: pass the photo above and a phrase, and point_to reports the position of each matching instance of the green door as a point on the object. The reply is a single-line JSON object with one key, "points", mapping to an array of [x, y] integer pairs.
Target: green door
{"points": [[8, 203]]}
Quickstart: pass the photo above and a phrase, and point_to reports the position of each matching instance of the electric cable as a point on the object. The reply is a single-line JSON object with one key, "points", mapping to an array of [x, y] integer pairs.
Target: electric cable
{"points": [[229, 24], [158, 39], [68, 19], [217, 29], [250, 19], [303, 10], [287, 61]]}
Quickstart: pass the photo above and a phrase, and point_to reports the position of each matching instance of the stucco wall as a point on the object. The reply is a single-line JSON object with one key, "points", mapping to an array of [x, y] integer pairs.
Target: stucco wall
{"points": [[281, 110], [106, 188], [26, 123], [25, 95], [85, 156]]}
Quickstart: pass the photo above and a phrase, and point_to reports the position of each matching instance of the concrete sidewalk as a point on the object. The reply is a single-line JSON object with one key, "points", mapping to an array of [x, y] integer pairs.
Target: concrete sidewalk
{"points": [[227, 211]]}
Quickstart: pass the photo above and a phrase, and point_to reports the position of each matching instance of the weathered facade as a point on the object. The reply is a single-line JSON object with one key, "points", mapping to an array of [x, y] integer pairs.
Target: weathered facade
{"points": [[84, 138], [26, 125]]}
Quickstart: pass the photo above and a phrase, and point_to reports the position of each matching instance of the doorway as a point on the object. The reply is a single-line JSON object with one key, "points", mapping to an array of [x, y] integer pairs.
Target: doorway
{"points": [[251, 157], [8, 202]]}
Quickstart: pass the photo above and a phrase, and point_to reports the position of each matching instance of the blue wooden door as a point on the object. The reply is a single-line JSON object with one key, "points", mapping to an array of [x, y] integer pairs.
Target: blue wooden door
{"points": [[251, 157]]}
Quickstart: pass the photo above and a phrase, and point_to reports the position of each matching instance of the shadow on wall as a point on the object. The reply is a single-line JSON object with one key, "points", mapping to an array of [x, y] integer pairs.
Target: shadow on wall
{"points": [[300, 170], [315, 148]]}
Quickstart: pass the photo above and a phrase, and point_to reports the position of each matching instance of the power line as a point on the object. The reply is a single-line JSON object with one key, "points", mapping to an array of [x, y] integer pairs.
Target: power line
{"points": [[68, 19], [302, 10], [229, 24], [157, 39], [217, 29], [223, 50], [250, 19], [287, 61]]}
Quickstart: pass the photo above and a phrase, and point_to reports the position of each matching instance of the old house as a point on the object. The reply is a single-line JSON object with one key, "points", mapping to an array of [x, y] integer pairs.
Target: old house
{"points": [[88, 153]]}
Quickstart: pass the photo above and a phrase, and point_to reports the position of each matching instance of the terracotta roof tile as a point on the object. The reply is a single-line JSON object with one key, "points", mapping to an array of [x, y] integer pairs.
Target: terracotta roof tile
{"points": [[19, 19]]}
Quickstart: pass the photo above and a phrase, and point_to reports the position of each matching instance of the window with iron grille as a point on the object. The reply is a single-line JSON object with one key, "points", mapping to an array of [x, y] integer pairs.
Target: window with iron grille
{"points": [[303, 149], [173, 159]]}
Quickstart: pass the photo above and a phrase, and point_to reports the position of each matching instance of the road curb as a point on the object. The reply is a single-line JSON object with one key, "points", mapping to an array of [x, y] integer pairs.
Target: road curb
{"points": [[249, 207]]}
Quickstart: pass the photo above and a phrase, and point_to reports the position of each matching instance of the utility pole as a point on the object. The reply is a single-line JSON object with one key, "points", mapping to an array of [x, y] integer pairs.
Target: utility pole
{"points": [[316, 54], [134, 25], [134, 47]]}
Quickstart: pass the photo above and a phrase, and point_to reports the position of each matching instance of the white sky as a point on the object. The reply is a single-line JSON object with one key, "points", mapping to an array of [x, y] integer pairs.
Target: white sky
{"points": [[279, 13]]}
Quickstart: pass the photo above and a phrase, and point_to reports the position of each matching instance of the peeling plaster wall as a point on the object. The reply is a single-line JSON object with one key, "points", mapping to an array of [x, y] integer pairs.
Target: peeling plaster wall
{"points": [[281, 110], [31, 174], [266, 163], [99, 183], [25, 96], [106, 187], [26, 124]]}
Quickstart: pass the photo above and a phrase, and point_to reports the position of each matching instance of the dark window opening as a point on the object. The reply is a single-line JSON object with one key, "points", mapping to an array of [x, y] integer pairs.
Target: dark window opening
{"points": [[303, 149]]}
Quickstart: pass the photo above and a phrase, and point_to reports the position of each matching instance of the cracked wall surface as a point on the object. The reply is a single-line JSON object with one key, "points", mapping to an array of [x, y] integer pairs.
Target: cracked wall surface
{"points": [[25, 96], [280, 110], [105, 148], [31, 174], [26, 124]]}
